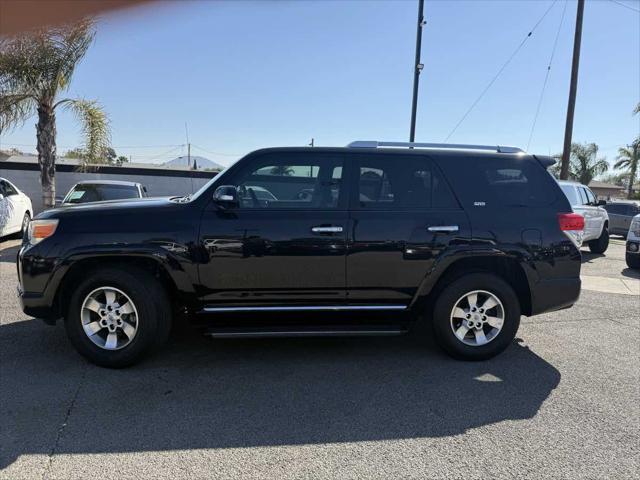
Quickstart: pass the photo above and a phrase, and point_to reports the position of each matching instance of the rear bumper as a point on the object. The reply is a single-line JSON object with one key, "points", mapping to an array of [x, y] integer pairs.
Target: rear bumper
{"points": [[554, 294]]}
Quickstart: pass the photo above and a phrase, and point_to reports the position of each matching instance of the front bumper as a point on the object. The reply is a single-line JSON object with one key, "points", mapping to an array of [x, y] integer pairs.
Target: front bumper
{"points": [[35, 305]]}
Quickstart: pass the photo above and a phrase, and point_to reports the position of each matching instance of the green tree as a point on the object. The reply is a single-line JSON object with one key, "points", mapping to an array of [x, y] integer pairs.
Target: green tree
{"points": [[35, 69], [282, 170], [628, 160], [584, 164], [121, 159]]}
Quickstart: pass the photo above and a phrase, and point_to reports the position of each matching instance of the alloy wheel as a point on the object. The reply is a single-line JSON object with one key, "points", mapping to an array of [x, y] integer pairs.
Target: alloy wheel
{"points": [[477, 318]]}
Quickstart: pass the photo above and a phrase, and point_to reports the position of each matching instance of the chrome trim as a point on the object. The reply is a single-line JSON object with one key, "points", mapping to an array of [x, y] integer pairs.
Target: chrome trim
{"points": [[305, 308], [309, 333], [327, 229], [444, 228], [454, 146]]}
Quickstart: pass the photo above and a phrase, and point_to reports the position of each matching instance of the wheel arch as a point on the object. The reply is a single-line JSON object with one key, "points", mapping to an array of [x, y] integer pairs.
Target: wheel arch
{"points": [[506, 267], [77, 270]]}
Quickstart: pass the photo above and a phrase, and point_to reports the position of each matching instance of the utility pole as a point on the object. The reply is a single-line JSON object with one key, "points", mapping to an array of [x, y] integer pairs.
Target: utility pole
{"points": [[417, 69], [189, 155], [568, 130], [311, 144]]}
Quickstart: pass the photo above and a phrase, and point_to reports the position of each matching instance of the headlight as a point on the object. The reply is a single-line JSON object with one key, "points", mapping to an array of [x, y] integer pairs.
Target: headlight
{"points": [[635, 228], [41, 229]]}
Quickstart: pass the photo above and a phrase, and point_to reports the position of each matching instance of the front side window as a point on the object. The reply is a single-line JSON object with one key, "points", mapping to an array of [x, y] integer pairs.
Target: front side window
{"points": [[583, 196], [287, 182], [403, 183], [591, 198], [7, 189]]}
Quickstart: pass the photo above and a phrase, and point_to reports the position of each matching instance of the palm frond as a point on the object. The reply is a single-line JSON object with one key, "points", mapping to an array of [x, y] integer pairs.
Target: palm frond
{"points": [[95, 127]]}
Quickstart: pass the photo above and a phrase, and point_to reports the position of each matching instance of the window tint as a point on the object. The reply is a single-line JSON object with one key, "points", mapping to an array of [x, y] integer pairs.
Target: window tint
{"points": [[571, 194], [583, 196], [591, 198], [403, 183], [517, 183], [614, 208], [289, 182], [85, 193], [8, 189]]}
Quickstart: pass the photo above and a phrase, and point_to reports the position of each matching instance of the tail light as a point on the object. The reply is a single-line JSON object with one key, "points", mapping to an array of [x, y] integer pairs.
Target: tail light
{"points": [[572, 225]]}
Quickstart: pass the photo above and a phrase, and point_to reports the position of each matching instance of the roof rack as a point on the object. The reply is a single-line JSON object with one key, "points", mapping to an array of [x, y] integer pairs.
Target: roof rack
{"points": [[453, 146]]}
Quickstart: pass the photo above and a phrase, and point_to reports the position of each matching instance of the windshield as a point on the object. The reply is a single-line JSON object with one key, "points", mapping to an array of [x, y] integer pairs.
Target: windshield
{"points": [[86, 193]]}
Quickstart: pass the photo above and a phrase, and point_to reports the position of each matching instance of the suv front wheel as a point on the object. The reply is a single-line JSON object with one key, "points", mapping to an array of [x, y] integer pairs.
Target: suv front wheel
{"points": [[117, 315], [476, 316]]}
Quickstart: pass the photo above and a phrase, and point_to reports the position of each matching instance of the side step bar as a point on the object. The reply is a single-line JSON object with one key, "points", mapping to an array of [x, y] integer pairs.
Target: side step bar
{"points": [[302, 332], [305, 308]]}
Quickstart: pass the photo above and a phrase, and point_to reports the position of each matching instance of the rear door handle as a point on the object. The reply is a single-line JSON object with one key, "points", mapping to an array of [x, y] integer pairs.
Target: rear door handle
{"points": [[327, 229], [444, 228]]}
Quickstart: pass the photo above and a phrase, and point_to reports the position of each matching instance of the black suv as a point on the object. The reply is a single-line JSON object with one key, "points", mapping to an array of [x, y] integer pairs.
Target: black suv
{"points": [[315, 241]]}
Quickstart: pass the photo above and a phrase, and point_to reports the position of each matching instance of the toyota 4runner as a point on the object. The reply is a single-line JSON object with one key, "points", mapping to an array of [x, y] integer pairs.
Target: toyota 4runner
{"points": [[362, 240]]}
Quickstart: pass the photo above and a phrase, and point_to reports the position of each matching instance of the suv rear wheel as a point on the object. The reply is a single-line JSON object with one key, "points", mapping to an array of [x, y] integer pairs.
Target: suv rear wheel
{"points": [[476, 316], [600, 244], [118, 315]]}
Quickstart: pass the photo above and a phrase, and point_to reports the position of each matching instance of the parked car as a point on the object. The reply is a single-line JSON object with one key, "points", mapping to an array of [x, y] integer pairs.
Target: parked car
{"points": [[101, 190], [620, 216], [469, 238], [596, 219], [15, 209], [632, 255]]}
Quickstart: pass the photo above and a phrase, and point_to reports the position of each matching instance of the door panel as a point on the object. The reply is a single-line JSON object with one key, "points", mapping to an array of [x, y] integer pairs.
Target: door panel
{"points": [[391, 252], [286, 242], [394, 203]]}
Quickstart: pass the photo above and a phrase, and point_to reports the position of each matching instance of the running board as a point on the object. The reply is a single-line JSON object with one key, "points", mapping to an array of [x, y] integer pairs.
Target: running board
{"points": [[306, 308], [301, 332]]}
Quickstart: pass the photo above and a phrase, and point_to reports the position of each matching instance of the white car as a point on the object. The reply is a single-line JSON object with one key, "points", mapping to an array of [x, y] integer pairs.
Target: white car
{"points": [[15, 209], [632, 255], [596, 219]]}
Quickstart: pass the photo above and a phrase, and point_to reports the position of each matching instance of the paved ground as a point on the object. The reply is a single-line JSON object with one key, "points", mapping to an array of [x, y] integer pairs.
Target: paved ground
{"points": [[562, 402]]}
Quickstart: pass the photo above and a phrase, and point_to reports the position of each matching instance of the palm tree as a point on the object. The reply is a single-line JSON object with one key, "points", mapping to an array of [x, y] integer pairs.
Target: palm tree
{"points": [[34, 70], [584, 164], [628, 159]]}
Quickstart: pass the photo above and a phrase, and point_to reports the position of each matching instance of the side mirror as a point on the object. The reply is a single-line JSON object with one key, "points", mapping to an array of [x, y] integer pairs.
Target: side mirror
{"points": [[226, 196], [600, 203]]}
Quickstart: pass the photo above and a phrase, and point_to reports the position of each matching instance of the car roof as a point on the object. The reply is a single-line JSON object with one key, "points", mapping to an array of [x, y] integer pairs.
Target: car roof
{"points": [[108, 182]]}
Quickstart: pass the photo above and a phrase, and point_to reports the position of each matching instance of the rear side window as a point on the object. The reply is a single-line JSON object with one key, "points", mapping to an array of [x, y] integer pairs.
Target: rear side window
{"points": [[499, 180], [400, 183]]}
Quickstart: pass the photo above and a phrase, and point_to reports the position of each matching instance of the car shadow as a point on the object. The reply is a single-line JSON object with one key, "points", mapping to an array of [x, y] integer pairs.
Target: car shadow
{"points": [[631, 273], [588, 256], [199, 393]]}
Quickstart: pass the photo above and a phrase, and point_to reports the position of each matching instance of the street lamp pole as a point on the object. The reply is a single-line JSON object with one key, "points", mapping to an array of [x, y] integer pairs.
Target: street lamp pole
{"points": [[416, 70]]}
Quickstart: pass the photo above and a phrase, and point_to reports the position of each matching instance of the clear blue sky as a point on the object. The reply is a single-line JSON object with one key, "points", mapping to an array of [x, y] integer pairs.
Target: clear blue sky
{"points": [[246, 75]]}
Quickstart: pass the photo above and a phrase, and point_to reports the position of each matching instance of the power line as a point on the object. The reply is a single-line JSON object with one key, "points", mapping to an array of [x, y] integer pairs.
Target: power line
{"points": [[546, 77], [500, 71], [217, 153], [625, 6]]}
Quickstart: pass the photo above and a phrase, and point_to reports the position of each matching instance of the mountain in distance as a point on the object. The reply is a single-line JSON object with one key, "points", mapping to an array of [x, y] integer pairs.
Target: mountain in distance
{"points": [[201, 162]]}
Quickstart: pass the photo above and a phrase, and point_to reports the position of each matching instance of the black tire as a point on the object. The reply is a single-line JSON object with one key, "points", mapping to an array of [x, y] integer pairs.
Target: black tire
{"points": [[446, 301], [600, 244], [25, 222], [633, 261], [153, 308]]}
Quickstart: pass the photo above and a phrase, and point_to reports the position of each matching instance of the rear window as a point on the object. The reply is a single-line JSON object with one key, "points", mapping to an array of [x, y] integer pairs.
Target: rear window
{"points": [[95, 193]]}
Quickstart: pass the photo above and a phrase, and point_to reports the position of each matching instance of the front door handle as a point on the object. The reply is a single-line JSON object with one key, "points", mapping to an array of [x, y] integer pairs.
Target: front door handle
{"points": [[327, 229], [444, 228]]}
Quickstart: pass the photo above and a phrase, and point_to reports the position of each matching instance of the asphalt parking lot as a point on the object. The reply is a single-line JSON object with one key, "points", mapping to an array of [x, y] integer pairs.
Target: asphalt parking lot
{"points": [[562, 402]]}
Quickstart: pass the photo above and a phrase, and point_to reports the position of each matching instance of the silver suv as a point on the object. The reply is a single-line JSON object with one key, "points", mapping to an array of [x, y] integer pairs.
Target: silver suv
{"points": [[596, 219]]}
